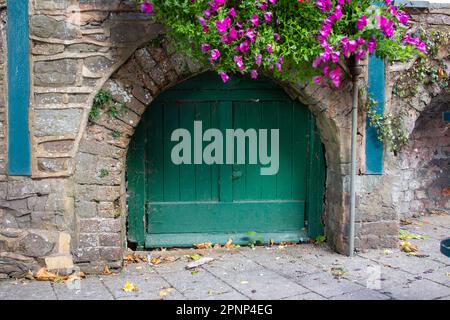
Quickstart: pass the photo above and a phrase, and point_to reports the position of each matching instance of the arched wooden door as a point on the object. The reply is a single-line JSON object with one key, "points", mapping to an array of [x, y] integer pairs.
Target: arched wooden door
{"points": [[182, 204]]}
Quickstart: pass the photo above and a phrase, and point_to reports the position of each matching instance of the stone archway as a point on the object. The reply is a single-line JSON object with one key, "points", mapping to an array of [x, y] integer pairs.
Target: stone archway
{"points": [[100, 199]]}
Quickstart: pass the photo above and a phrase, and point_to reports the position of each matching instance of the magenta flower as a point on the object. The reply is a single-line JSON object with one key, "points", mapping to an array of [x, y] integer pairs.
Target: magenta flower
{"points": [[335, 56], [232, 12], [326, 70], [254, 74], [387, 2], [205, 47], [317, 79], [324, 5], [371, 44], [239, 62], [202, 21], [403, 17], [359, 54], [215, 54], [251, 35], [276, 37], [207, 13], [269, 48], [232, 35], [255, 20], [262, 5], [361, 23], [316, 62], [146, 7], [222, 25], [244, 46], [224, 76], [258, 59], [335, 76], [273, 2], [337, 12], [268, 16]]}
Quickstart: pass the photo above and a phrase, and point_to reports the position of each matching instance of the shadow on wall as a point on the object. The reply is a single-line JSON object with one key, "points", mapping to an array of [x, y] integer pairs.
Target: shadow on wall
{"points": [[429, 155]]}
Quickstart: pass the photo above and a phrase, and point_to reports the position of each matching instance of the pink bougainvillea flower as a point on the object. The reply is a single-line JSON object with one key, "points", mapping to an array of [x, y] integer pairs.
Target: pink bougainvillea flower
{"points": [[232, 12], [387, 2], [205, 29], [337, 12], [274, 2], [232, 35], [335, 76], [325, 55], [392, 10], [224, 76], [258, 59], [361, 23], [360, 41], [244, 46], [207, 13], [269, 48], [335, 56], [254, 74], [316, 62], [146, 7], [255, 20], [262, 5], [202, 21], [239, 62], [326, 70], [215, 54], [403, 17], [250, 34], [268, 16], [222, 25], [276, 37], [359, 54], [317, 79], [371, 45], [324, 5], [239, 24], [279, 66], [205, 47]]}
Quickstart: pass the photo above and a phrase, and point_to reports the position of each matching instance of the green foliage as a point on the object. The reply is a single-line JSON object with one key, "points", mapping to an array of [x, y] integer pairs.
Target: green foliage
{"points": [[116, 109], [296, 22], [102, 98], [116, 134], [103, 173], [389, 127], [427, 70]]}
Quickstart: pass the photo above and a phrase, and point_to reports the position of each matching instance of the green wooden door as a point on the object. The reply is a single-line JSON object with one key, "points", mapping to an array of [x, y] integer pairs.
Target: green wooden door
{"points": [[180, 205]]}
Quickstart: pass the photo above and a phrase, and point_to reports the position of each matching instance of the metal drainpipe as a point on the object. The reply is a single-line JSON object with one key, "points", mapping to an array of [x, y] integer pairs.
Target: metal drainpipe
{"points": [[355, 71]]}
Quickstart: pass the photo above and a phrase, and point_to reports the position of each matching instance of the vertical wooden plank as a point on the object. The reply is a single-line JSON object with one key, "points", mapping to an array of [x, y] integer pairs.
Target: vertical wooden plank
{"points": [[284, 176], [316, 181], [225, 109], [171, 171], [203, 171], [253, 172], [215, 167], [187, 171], [299, 156], [154, 119], [269, 121], [239, 174], [18, 88], [136, 186]]}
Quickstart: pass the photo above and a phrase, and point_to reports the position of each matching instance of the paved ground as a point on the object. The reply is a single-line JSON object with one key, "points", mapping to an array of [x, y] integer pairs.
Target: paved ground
{"points": [[304, 271]]}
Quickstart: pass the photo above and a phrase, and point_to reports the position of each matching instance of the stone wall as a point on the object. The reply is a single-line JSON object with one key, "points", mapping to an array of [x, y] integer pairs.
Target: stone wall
{"points": [[67, 211]]}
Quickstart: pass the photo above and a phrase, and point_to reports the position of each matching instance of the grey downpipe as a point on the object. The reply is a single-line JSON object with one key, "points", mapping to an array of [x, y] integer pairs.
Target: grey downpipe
{"points": [[355, 72]]}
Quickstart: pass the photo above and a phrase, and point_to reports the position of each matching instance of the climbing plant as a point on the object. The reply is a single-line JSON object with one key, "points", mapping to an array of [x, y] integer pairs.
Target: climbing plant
{"points": [[292, 39]]}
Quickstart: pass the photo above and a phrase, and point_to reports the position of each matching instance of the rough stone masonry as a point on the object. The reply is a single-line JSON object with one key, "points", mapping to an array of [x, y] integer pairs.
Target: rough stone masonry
{"points": [[65, 213]]}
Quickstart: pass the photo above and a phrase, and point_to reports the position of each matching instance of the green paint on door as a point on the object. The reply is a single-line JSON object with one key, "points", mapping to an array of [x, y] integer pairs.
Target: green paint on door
{"points": [[179, 205]]}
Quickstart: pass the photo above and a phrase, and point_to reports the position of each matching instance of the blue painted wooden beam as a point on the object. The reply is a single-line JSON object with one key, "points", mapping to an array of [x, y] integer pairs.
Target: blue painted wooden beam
{"points": [[18, 88], [374, 147]]}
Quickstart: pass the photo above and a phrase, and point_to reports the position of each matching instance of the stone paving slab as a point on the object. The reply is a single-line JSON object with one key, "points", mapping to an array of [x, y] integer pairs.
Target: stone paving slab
{"points": [[299, 272]]}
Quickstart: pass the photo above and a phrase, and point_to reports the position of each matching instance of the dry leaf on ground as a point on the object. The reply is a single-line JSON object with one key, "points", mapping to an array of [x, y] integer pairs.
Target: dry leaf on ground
{"points": [[129, 287], [44, 275], [204, 245], [165, 291]]}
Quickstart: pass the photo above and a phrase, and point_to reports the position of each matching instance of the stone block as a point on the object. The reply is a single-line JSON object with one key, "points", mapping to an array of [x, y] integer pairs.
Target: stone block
{"points": [[35, 245], [110, 239], [59, 262], [56, 122], [55, 73], [47, 27], [111, 253]]}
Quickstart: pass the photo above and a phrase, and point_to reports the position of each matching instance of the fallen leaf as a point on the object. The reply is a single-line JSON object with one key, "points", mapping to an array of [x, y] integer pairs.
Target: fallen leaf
{"points": [[165, 292], [338, 272], [106, 271], [448, 274], [387, 251], [155, 260], [139, 268], [129, 287], [204, 245], [217, 246], [44, 275], [196, 256], [170, 259], [230, 245], [194, 272], [29, 275]]}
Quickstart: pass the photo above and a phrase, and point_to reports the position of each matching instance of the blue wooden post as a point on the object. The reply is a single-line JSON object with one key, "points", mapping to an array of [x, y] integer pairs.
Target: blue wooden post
{"points": [[18, 88], [374, 147]]}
